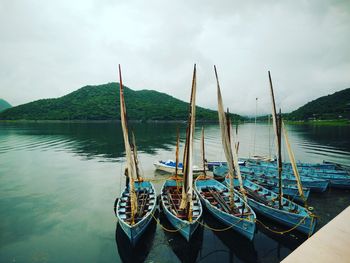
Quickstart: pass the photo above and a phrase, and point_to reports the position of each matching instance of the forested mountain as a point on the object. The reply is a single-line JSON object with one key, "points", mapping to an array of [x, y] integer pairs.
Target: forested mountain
{"points": [[4, 105], [334, 106], [102, 103]]}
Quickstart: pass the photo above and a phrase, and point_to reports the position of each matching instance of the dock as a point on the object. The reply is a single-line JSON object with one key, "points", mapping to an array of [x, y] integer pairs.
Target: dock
{"points": [[330, 244]]}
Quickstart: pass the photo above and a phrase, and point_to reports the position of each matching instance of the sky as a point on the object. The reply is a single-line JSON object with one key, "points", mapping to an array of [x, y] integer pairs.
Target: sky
{"points": [[51, 48]]}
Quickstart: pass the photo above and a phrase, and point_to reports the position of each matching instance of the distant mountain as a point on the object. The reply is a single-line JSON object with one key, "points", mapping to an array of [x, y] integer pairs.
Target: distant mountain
{"points": [[334, 106], [4, 105], [102, 103]]}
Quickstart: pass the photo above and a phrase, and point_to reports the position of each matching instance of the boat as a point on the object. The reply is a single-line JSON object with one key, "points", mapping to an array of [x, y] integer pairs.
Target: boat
{"points": [[290, 214], [180, 203], [288, 180], [228, 207], [274, 205], [216, 198], [335, 178], [137, 203], [169, 166]]}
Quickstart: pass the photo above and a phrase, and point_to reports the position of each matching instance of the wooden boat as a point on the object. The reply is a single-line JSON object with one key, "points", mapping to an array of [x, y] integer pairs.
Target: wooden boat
{"points": [[336, 177], [216, 198], [179, 201], [169, 166], [290, 214], [224, 204], [274, 205], [137, 203], [291, 191]]}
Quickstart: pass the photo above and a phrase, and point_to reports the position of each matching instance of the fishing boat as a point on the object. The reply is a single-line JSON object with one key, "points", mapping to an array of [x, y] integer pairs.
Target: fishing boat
{"points": [[169, 166], [290, 214], [137, 203], [228, 207], [179, 201], [335, 178], [274, 205]]}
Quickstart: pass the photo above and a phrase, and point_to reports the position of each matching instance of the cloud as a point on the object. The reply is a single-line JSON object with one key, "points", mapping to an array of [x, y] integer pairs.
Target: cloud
{"points": [[51, 49]]}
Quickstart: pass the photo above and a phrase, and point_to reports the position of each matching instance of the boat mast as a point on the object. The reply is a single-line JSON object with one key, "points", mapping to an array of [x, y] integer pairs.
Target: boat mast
{"points": [[131, 166], [277, 123], [293, 163], [187, 188], [177, 153], [134, 151], [203, 154]]}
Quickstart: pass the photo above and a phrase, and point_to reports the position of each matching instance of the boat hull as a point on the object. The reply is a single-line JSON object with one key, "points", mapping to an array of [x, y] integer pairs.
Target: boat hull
{"points": [[184, 227], [134, 232], [162, 166], [302, 221], [243, 226]]}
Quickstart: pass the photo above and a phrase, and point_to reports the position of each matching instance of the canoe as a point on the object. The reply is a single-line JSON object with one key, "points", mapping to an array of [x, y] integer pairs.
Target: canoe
{"points": [[146, 207], [265, 202], [215, 197], [170, 201]]}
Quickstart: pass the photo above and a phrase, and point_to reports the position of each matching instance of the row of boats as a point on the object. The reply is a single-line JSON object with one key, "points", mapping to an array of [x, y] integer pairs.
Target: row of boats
{"points": [[232, 192]]}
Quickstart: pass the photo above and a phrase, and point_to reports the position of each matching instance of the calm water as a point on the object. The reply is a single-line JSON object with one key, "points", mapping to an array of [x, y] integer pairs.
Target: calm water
{"points": [[58, 183]]}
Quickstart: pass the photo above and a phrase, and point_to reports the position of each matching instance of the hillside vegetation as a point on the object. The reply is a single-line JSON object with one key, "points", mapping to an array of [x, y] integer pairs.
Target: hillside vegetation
{"points": [[334, 106], [102, 103], [4, 105]]}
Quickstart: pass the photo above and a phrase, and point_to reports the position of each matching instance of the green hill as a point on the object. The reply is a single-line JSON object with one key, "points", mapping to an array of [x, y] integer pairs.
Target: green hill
{"points": [[102, 103], [4, 105], [334, 106]]}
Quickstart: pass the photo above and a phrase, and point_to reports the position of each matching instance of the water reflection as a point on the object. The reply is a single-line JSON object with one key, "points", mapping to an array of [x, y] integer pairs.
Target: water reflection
{"points": [[87, 139], [185, 251], [237, 245], [138, 253]]}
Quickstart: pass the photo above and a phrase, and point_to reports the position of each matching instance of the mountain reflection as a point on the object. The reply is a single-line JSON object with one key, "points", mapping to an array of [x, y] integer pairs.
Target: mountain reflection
{"points": [[92, 139]]}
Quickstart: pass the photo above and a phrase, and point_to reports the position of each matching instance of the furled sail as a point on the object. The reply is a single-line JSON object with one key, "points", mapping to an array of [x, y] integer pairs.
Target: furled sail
{"points": [[130, 160], [187, 188], [292, 160], [231, 156]]}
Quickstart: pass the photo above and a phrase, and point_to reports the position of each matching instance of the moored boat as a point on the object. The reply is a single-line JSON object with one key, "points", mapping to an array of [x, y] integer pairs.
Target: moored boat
{"points": [[137, 203], [180, 202], [216, 198], [290, 214], [169, 166]]}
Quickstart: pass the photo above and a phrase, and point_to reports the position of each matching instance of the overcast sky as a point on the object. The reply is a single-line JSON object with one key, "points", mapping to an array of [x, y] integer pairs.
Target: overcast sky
{"points": [[51, 48]]}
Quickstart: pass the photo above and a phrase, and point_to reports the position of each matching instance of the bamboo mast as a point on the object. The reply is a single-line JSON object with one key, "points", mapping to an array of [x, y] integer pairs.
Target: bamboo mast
{"points": [[177, 153], [293, 163], [131, 166], [277, 128], [203, 154], [187, 188], [134, 151]]}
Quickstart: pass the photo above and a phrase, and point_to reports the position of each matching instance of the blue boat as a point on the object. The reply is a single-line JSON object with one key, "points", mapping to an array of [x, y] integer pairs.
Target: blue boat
{"points": [[146, 204], [135, 207], [288, 190], [180, 202], [216, 198], [335, 178], [265, 202], [170, 200], [313, 183]]}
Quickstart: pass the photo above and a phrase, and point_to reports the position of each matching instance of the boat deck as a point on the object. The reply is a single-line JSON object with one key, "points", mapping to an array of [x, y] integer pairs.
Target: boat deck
{"points": [[145, 201], [172, 199], [329, 244]]}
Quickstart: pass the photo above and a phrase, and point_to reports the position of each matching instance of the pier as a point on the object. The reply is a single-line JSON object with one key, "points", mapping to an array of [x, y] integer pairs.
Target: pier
{"points": [[330, 244]]}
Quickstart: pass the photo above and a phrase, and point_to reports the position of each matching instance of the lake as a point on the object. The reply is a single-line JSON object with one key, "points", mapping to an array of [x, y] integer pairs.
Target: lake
{"points": [[58, 183]]}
